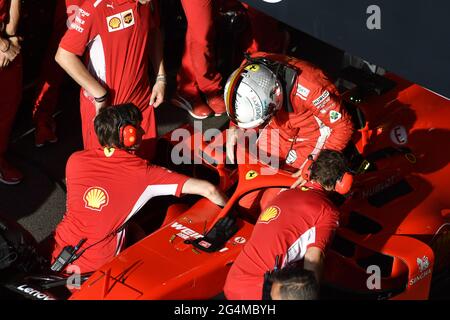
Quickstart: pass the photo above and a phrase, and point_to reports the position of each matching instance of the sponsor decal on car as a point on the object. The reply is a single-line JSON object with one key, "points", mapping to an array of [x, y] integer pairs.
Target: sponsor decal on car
{"points": [[33, 292], [95, 198], [240, 240], [252, 174], [270, 214], [205, 244], [424, 269], [185, 232], [399, 135]]}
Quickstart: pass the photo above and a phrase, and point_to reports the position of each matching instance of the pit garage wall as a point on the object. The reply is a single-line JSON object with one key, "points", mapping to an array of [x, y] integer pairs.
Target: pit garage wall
{"points": [[413, 40]]}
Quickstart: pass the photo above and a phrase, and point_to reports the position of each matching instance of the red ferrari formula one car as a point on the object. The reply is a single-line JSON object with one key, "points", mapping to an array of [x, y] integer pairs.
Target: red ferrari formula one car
{"points": [[395, 223]]}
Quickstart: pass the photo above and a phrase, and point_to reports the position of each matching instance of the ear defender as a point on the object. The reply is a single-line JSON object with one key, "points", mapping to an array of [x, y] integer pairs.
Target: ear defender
{"points": [[342, 186], [128, 136], [306, 171]]}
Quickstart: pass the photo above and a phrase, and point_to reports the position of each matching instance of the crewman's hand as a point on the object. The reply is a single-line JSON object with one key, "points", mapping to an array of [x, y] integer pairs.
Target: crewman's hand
{"points": [[217, 196], [232, 136], [4, 61], [14, 48], [158, 92], [300, 181], [99, 105]]}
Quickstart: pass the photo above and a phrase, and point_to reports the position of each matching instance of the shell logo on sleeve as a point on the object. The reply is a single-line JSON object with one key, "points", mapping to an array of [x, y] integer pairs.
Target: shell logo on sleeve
{"points": [[95, 198], [114, 23], [270, 214]]}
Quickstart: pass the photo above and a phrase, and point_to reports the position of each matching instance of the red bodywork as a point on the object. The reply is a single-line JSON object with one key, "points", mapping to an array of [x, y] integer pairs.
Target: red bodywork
{"points": [[407, 237]]}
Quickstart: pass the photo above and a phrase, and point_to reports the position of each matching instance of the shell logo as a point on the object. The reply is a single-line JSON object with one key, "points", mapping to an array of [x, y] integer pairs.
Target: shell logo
{"points": [[95, 198], [270, 214], [114, 23]]}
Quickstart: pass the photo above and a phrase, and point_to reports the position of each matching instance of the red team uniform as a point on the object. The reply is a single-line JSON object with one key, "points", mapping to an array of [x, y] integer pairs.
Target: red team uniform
{"points": [[294, 221], [51, 75], [318, 122], [198, 73], [114, 37], [10, 97], [103, 191]]}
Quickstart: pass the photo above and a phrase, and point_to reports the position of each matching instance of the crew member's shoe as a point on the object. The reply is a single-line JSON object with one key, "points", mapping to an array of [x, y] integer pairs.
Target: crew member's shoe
{"points": [[194, 105], [45, 133], [216, 103], [9, 174]]}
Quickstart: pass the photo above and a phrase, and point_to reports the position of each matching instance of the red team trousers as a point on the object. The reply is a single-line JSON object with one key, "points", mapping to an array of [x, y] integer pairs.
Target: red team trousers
{"points": [[52, 75], [10, 96], [197, 70]]}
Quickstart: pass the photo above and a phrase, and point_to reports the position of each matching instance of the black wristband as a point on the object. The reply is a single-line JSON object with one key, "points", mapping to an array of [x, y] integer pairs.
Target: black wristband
{"points": [[102, 98]]}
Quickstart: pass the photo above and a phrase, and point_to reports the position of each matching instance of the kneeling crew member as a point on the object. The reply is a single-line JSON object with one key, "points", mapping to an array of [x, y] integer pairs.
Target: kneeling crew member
{"points": [[107, 186]]}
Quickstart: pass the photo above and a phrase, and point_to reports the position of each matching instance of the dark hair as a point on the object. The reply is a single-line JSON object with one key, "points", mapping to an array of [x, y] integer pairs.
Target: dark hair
{"points": [[109, 120], [328, 168], [296, 283]]}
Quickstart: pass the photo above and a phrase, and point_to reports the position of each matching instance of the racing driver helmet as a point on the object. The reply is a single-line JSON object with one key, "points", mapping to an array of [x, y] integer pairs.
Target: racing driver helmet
{"points": [[253, 94]]}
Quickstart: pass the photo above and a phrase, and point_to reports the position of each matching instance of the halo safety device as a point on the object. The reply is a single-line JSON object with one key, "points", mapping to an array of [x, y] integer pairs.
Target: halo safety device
{"points": [[343, 184]]}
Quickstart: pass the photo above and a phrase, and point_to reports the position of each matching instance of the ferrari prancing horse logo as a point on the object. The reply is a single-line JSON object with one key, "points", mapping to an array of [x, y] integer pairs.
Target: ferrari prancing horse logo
{"points": [[252, 174]]}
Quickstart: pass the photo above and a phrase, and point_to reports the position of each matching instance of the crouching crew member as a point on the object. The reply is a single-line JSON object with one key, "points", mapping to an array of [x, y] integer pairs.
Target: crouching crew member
{"points": [[297, 226], [107, 186]]}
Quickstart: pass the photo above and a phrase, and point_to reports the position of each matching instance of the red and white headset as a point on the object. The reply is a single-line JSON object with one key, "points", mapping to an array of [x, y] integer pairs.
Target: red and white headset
{"points": [[343, 184], [128, 135]]}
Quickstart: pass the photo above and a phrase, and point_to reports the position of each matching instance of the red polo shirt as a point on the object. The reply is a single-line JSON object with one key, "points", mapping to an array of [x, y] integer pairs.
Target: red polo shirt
{"points": [[293, 221], [114, 36], [103, 191], [4, 10]]}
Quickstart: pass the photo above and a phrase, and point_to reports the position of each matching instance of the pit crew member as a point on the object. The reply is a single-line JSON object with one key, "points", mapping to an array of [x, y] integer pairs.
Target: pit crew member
{"points": [[10, 83], [293, 283], [297, 226], [51, 75], [302, 106], [107, 186], [117, 38], [198, 74]]}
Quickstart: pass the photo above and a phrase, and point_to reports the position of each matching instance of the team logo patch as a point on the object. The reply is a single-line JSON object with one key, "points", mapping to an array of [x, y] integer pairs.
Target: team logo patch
{"points": [[95, 198], [318, 102], [302, 92], [270, 214], [108, 152], [252, 68], [114, 23], [120, 21], [252, 174], [128, 18], [334, 116]]}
